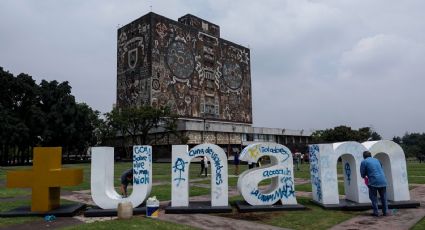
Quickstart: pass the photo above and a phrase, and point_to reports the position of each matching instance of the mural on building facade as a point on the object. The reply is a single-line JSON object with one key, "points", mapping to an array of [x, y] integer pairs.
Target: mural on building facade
{"points": [[133, 71], [183, 65]]}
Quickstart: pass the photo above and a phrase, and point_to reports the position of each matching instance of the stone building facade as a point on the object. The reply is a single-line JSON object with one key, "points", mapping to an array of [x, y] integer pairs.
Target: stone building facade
{"points": [[203, 78], [186, 66]]}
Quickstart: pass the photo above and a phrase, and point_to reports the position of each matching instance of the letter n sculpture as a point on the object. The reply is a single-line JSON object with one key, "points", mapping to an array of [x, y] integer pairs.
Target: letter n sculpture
{"points": [[181, 159], [324, 180]]}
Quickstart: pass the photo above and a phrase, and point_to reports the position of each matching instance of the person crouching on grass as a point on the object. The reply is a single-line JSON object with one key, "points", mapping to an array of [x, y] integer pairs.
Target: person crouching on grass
{"points": [[126, 178]]}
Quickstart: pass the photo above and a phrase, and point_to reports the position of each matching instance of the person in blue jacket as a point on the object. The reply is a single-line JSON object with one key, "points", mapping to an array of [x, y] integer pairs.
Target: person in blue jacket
{"points": [[377, 183]]}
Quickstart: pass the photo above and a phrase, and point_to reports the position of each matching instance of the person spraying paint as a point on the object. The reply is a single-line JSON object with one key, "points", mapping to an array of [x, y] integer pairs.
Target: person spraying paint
{"points": [[371, 169], [126, 178]]}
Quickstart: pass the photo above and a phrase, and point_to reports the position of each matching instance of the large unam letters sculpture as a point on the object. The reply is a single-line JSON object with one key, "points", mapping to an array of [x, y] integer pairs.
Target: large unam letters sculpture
{"points": [[45, 178], [282, 187], [181, 158], [102, 177], [323, 164]]}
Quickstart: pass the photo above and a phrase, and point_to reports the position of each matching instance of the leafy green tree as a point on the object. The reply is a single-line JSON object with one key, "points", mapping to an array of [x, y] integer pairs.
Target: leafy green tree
{"points": [[41, 115], [7, 120], [138, 122], [413, 144], [68, 124], [21, 119], [344, 133]]}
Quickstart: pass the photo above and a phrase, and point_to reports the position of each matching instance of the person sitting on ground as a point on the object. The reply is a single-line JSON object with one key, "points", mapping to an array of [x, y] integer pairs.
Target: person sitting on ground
{"points": [[126, 178]]}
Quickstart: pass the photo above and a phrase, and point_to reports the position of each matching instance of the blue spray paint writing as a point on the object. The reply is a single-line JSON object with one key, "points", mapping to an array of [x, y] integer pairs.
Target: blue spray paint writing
{"points": [[403, 175], [276, 150], [287, 190], [140, 174], [348, 172], [142, 149], [272, 150], [140, 158], [269, 173], [194, 152], [217, 165], [139, 165], [141, 177], [314, 170], [318, 184], [179, 166], [215, 158]]}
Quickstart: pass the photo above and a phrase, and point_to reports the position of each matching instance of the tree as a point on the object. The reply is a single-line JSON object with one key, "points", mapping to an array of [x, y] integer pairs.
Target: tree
{"points": [[21, 119], [345, 133], [7, 119], [68, 124], [413, 144], [138, 122], [41, 115]]}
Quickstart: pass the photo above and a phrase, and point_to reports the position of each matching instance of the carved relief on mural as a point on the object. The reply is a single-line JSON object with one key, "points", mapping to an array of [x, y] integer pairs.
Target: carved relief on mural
{"points": [[180, 60], [236, 83], [232, 75], [133, 84]]}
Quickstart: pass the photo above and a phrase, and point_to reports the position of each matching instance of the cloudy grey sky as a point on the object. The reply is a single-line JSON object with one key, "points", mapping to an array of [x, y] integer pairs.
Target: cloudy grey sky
{"points": [[315, 64]]}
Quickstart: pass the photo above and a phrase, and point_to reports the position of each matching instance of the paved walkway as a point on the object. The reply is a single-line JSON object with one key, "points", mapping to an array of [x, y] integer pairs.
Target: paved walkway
{"points": [[402, 219]]}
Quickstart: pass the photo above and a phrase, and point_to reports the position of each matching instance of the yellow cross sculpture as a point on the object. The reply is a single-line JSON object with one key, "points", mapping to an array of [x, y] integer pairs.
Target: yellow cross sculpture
{"points": [[45, 178]]}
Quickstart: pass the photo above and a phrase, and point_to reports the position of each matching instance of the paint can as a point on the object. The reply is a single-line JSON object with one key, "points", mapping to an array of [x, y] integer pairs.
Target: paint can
{"points": [[152, 207], [125, 210]]}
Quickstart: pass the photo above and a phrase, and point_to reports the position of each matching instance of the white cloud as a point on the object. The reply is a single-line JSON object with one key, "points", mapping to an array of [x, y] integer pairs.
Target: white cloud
{"points": [[383, 56]]}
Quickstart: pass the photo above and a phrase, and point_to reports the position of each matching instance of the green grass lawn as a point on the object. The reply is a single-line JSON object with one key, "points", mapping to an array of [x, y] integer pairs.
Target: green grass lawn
{"points": [[13, 192], [6, 206], [304, 171], [420, 225], [416, 173], [136, 222], [9, 205]]}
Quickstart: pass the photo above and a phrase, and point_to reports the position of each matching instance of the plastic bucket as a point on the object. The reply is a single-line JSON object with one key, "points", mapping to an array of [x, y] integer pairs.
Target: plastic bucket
{"points": [[152, 210], [125, 210]]}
